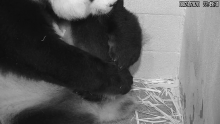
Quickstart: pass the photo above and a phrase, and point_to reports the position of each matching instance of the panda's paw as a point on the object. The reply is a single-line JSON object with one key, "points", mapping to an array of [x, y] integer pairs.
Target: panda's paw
{"points": [[109, 110], [99, 7], [116, 109], [120, 82], [103, 78]]}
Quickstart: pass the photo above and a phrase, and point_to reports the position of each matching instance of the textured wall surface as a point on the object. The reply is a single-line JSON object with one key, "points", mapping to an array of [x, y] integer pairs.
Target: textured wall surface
{"points": [[200, 66], [162, 23]]}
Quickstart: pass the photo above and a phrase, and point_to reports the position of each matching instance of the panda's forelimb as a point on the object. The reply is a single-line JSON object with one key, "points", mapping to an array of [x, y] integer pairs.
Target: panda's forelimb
{"points": [[23, 52]]}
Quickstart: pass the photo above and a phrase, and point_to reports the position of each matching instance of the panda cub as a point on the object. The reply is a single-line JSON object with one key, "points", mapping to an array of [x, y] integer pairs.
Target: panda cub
{"points": [[44, 80]]}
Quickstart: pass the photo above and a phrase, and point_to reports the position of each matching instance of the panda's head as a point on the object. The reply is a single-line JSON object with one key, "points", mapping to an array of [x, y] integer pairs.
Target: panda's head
{"points": [[78, 9]]}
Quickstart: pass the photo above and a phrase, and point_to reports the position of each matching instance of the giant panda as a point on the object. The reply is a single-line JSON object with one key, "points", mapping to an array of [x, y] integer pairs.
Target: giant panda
{"points": [[45, 80]]}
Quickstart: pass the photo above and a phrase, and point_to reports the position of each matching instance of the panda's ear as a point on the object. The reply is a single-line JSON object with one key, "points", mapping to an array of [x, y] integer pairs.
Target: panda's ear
{"points": [[120, 3], [71, 9]]}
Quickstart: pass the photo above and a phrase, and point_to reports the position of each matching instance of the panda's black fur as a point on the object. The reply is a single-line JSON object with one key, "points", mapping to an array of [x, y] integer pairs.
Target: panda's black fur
{"points": [[119, 28], [44, 80]]}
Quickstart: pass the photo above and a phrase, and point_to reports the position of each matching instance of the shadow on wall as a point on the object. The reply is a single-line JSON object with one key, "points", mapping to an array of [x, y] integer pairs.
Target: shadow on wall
{"points": [[134, 68], [146, 38]]}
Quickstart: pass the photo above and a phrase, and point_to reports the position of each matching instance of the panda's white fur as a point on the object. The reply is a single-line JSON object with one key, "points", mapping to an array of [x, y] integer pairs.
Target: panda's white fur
{"points": [[76, 9], [19, 93], [64, 30]]}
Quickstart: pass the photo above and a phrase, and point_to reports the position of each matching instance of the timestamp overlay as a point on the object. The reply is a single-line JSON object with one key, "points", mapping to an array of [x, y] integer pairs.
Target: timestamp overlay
{"points": [[198, 3]]}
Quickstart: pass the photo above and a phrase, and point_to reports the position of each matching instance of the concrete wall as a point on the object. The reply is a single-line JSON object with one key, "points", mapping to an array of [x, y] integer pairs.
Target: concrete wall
{"points": [[200, 66], [162, 22]]}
